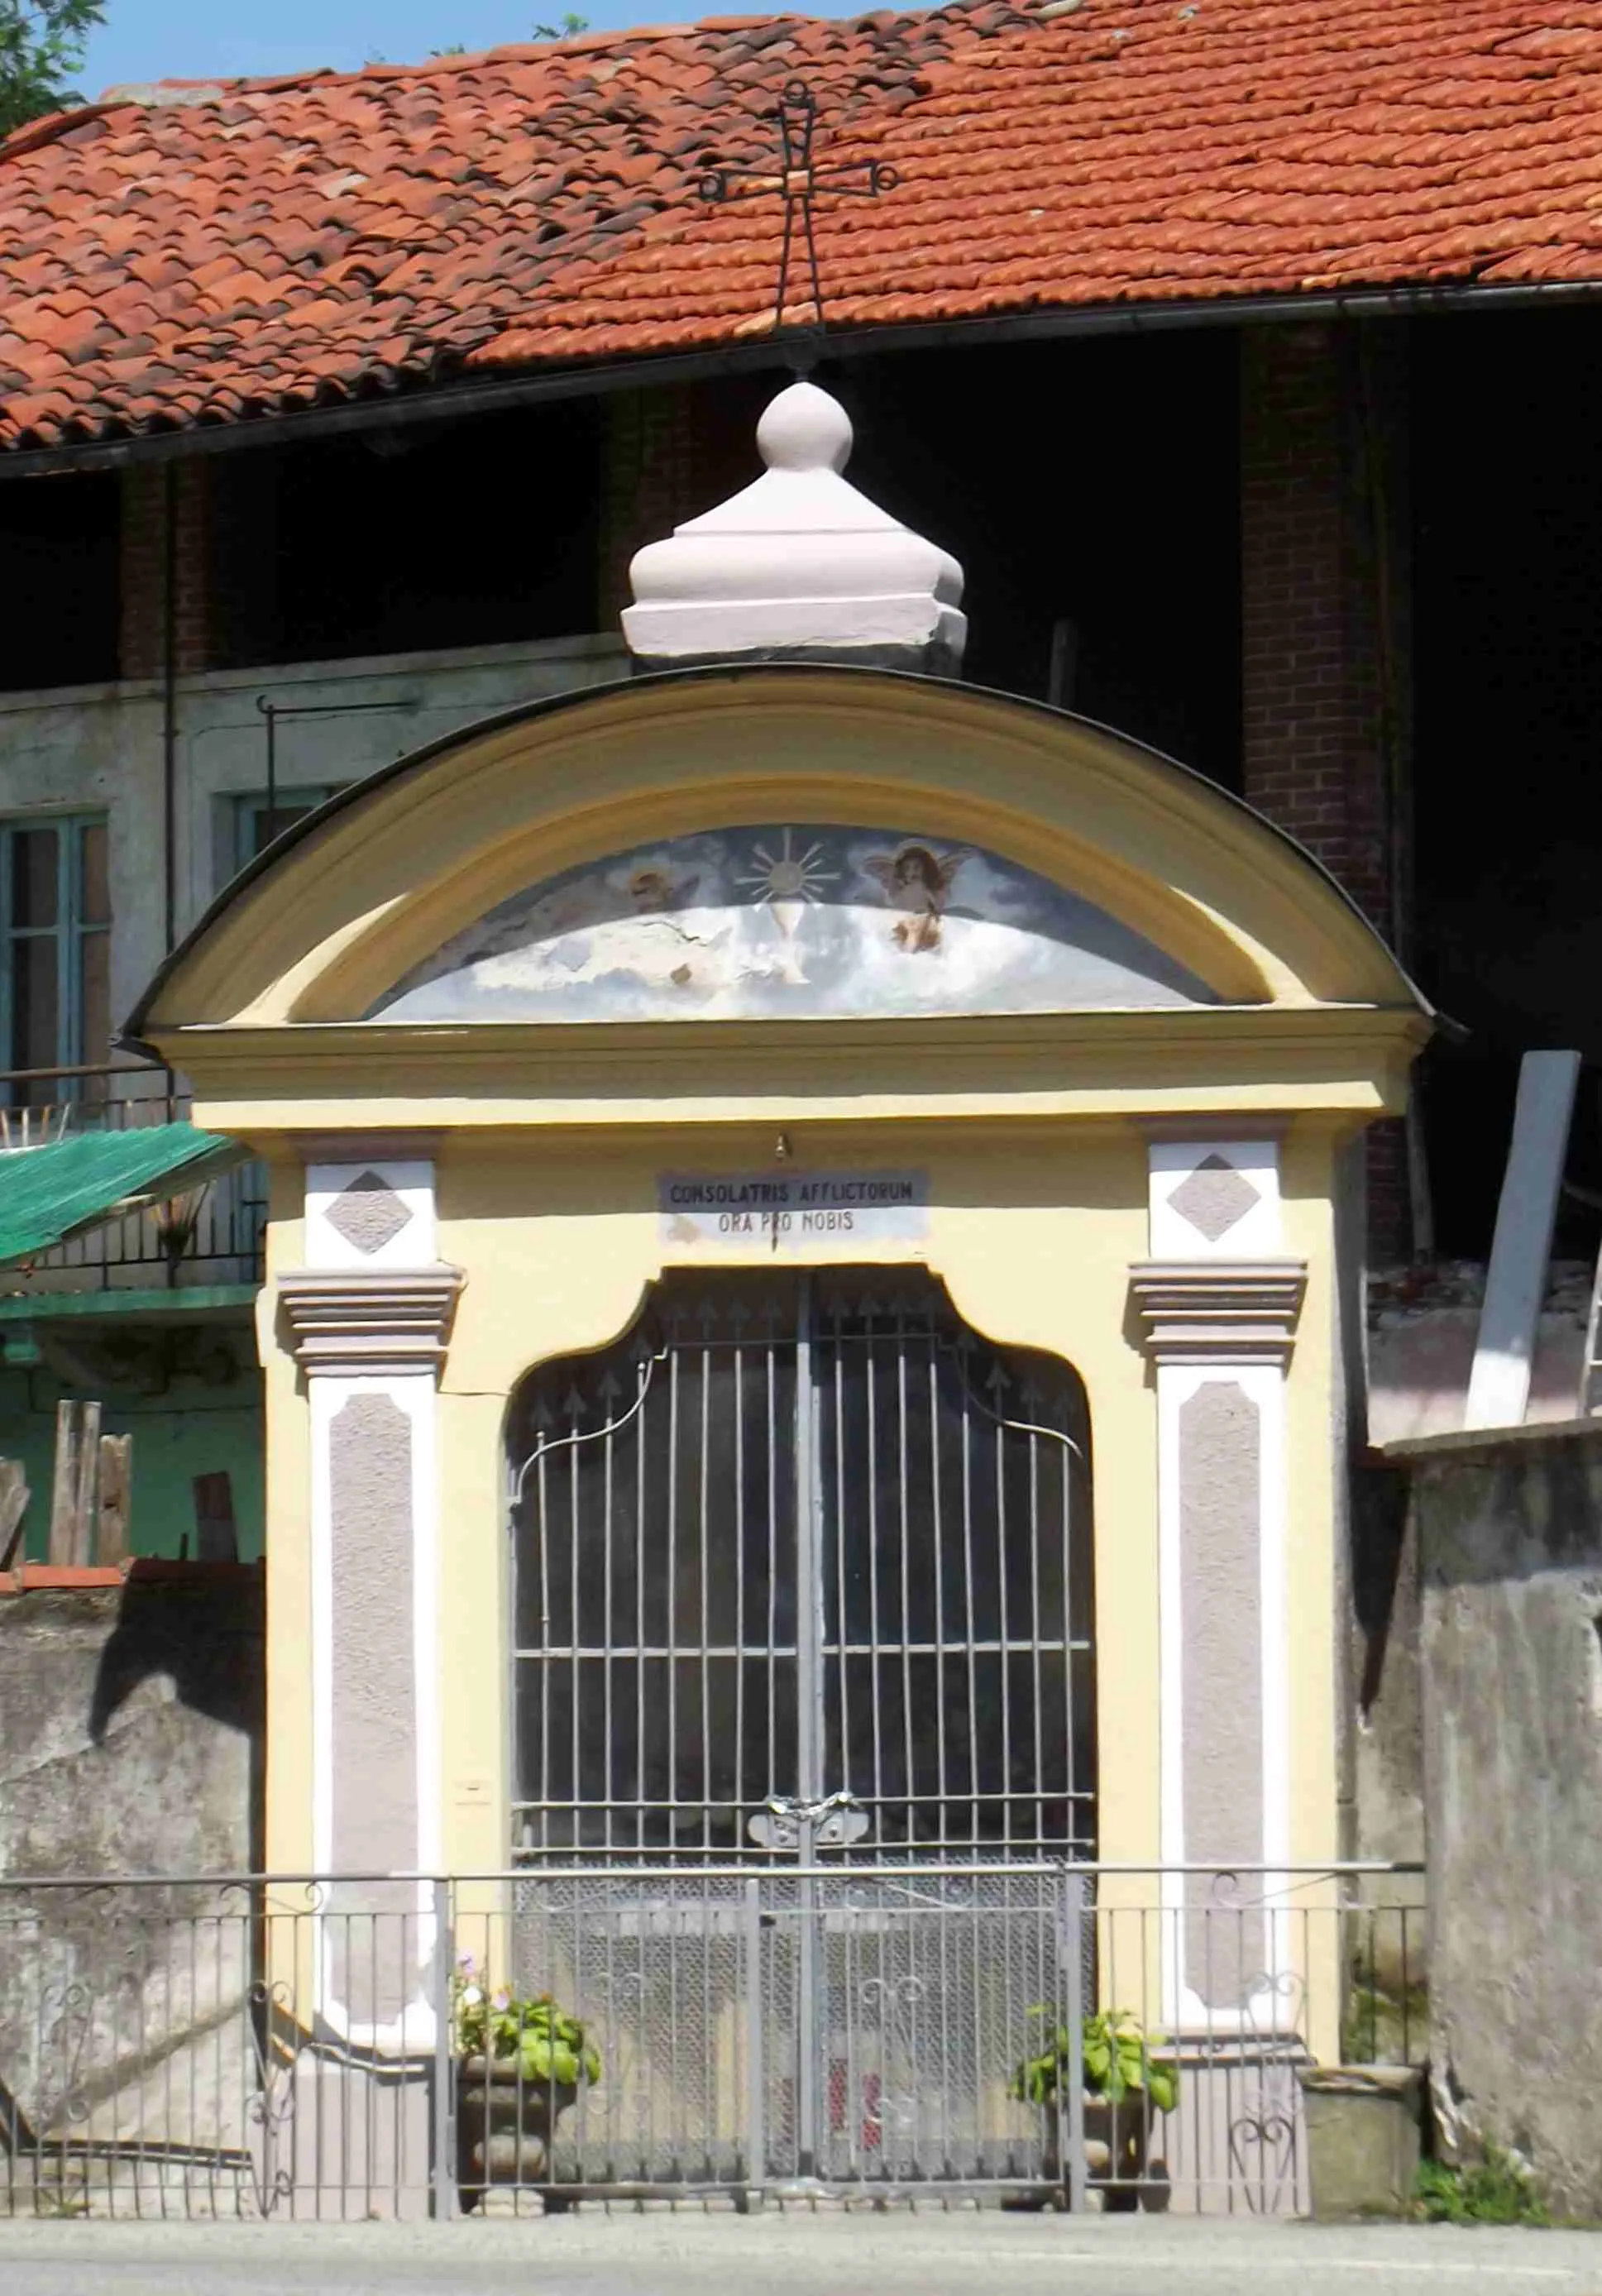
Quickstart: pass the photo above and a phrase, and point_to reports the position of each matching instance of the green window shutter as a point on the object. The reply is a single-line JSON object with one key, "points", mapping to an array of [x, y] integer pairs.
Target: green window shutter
{"points": [[55, 922]]}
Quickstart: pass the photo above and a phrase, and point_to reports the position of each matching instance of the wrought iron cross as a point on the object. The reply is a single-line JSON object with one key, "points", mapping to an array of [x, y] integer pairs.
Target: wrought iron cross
{"points": [[799, 179]]}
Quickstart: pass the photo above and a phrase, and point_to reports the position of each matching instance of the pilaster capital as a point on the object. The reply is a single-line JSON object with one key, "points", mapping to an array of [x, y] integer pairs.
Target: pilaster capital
{"points": [[370, 1322], [1236, 1310]]}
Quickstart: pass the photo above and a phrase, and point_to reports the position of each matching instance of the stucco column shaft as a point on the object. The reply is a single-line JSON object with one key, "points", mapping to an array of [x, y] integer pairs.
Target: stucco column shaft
{"points": [[1219, 1327], [370, 1331]]}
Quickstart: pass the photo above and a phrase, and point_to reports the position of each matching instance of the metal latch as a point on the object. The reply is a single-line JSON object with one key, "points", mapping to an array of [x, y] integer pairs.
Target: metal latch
{"points": [[837, 1820]]}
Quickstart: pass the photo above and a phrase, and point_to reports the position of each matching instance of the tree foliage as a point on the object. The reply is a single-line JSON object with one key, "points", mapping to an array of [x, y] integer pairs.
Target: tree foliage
{"points": [[41, 45]]}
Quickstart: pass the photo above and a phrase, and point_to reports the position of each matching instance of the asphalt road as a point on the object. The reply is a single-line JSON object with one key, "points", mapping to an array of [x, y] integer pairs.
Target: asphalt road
{"points": [[938, 2255]]}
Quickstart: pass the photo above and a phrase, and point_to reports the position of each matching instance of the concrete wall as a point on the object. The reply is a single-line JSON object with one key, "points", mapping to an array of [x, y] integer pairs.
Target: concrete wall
{"points": [[1423, 1323], [131, 1733], [131, 1725], [101, 748], [1510, 1570]]}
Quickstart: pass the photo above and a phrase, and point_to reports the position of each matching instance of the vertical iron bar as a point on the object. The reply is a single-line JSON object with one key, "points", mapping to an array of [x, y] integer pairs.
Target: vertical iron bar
{"points": [[670, 1638], [842, 1637], [270, 713], [1005, 1626], [967, 1581], [809, 1621], [756, 2143], [739, 1779], [442, 2178], [543, 1814], [938, 1540], [1038, 1680], [773, 1559], [1083, 1846], [641, 1671], [808, 1603], [705, 1563], [905, 1528], [609, 1633], [574, 1636], [870, 1478]]}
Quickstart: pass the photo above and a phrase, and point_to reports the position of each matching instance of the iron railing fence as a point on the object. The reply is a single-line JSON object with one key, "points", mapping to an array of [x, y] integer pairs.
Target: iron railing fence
{"points": [[765, 2031], [211, 1234]]}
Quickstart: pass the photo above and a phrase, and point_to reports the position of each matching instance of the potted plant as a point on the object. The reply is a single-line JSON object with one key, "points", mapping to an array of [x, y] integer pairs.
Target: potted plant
{"points": [[519, 2065], [1124, 2086]]}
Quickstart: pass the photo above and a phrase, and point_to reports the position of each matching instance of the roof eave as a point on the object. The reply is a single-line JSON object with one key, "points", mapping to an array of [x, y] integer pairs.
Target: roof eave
{"points": [[421, 400]]}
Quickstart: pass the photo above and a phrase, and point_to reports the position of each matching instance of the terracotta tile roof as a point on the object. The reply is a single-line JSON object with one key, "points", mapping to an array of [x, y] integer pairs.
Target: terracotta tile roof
{"points": [[195, 253]]}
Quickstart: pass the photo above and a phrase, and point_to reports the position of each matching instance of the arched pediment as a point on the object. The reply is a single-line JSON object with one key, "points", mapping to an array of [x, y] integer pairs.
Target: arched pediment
{"points": [[798, 841]]}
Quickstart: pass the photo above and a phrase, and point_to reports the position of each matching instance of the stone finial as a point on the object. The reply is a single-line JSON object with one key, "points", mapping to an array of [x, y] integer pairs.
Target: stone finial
{"points": [[800, 565]]}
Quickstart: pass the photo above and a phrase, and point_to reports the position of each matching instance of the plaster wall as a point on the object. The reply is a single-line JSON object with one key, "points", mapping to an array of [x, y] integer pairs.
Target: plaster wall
{"points": [[1510, 1558], [1423, 1323], [187, 1427], [99, 747], [1033, 1229], [131, 1726]]}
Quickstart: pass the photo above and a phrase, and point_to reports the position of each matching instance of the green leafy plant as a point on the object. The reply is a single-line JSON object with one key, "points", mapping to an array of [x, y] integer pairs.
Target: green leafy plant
{"points": [[1498, 2190], [1115, 2052], [548, 2044], [41, 45]]}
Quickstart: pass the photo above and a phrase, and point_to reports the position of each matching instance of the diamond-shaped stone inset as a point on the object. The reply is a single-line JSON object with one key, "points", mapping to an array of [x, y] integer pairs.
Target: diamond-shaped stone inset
{"points": [[1213, 1197], [368, 1213]]}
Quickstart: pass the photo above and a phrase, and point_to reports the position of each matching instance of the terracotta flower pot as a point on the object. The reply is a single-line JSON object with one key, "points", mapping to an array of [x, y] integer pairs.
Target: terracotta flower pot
{"points": [[506, 2126]]}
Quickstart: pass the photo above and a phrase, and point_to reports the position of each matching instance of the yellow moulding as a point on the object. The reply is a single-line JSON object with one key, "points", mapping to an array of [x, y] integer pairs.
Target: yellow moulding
{"points": [[249, 1081], [341, 914]]}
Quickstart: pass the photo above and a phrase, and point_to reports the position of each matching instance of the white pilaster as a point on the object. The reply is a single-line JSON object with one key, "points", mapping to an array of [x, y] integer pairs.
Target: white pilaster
{"points": [[1218, 1304], [369, 1318]]}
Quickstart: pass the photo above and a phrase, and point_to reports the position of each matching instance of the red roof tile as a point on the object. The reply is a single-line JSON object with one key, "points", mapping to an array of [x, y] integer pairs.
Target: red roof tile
{"points": [[198, 252]]}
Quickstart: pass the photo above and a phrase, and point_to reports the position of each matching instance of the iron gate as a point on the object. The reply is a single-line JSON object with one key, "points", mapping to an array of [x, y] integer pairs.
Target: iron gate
{"points": [[803, 1578]]}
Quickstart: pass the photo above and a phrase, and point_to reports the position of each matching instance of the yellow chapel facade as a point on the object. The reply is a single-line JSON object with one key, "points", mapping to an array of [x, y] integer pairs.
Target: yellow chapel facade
{"points": [[806, 1286]]}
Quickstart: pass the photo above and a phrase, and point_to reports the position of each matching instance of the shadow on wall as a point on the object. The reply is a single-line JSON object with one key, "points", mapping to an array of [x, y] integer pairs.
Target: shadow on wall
{"points": [[196, 1628], [131, 1724]]}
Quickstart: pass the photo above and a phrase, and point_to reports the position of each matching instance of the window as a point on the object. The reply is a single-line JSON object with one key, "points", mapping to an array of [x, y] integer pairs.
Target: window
{"points": [[55, 919], [256, 824]]}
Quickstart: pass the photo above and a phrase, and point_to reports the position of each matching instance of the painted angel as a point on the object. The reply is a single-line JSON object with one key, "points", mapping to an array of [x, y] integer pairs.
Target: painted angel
{"points": [[917, 880]]}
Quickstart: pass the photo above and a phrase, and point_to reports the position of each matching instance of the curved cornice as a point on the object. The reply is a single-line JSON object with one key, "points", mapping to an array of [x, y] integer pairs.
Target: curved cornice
{"points": [[345, 905]]}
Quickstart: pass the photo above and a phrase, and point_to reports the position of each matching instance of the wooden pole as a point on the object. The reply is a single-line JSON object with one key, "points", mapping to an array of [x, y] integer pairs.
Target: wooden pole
{"points": [[85, 1496], [216, 1538], [63, 1485], [13, 1507], [116, 1497]]}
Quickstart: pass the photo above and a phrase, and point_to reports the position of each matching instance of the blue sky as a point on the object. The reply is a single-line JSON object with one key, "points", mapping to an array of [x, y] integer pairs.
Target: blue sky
{"points": [[205, 39]]}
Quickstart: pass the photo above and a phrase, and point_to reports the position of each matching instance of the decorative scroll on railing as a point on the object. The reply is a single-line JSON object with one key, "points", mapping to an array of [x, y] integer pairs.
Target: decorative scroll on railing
{"points": [[728, 2034]]}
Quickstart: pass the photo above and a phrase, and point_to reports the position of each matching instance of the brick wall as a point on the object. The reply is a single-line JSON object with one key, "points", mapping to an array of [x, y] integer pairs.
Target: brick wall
{"points": [[1313, 755], [668, 454], [1324, 633], [145, 498]]}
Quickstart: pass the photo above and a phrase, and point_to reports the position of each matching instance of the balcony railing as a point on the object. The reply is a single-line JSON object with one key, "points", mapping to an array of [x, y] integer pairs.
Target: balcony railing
{"points": [[207, 1236]]}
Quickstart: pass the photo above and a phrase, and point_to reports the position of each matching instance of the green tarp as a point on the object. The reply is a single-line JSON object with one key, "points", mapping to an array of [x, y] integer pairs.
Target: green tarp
{"points": [[49, 1193]]}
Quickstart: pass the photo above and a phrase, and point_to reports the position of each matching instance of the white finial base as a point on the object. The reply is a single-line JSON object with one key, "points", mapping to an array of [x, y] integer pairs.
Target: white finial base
{"points": [[799, 564]]}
